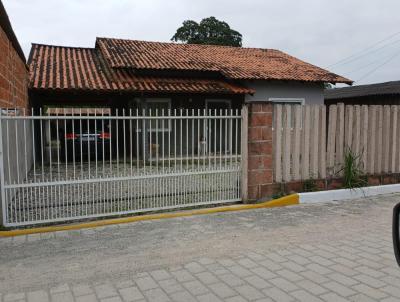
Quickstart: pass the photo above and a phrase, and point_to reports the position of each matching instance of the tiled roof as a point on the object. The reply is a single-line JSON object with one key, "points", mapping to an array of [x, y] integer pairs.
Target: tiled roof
{"points": [[386, 88], [233, 62], [71, 68]]}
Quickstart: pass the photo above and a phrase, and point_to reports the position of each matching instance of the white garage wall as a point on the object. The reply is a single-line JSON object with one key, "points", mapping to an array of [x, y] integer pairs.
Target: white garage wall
{"points": [[312, 93]]}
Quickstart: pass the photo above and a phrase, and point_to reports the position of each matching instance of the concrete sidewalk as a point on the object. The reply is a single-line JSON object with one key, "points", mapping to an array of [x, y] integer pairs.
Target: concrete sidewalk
{"points": [[321, 252]]}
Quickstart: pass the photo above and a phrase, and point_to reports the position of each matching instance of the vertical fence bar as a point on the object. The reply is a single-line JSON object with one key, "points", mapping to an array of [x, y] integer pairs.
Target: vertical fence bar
{"points": [[4, 202]]}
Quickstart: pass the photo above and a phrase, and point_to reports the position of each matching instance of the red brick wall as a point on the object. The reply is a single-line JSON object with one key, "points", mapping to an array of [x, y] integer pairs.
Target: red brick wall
{"points": [[13, 76], [259, 150]]}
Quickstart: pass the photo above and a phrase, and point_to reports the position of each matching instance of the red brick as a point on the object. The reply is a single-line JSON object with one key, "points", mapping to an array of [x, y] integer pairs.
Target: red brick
{"points": [[260, 119], [266, 133], [259, 177], [253, 192], [267, 107], [256, 107], [260, 148], [374, 180], [255, 134]]}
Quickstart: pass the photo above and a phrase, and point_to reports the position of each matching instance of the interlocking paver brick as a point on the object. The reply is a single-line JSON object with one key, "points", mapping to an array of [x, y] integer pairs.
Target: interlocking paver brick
{"points": [[62, 297], [278, 295], [257, 282], [342, 279], [249, 292], [231, 280], [105, 291], [312, 287], [370, 291], [208, 298], [156, 295], [82, 290], [130, 294], [146, 283], [222, 290], [38, 296], [339, 288], [182, 297], [302, 295], [87, 298], [332, 297], [160, 274], [195, 287], [283, 284], [170, 286]]}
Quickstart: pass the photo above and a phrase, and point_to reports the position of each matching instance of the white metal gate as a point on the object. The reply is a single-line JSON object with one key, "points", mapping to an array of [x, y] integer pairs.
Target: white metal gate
{"points": [[75, 164]]}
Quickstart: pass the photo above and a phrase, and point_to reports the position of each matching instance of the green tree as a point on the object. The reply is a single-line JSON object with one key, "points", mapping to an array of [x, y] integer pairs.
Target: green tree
{"points": [[209, 31]]}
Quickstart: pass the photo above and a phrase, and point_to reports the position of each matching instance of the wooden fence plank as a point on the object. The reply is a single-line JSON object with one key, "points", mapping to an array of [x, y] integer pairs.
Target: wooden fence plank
{"points": [[296, 140], [286, 149], [364, 137], [305, 163], [277, 143], [331, 138], [394, 133], [314, 110], [355, 143], [371, 139], [386, 138], [322, 143], [378, 140], [348, 130], [339, 138]]}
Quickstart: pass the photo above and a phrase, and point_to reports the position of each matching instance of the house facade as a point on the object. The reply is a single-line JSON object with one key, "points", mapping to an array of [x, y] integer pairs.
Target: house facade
{"points": [[13, 69]]}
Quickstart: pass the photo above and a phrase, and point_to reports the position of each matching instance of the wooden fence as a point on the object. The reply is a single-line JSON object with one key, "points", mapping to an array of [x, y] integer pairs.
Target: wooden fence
{"points": [[310, 141]]}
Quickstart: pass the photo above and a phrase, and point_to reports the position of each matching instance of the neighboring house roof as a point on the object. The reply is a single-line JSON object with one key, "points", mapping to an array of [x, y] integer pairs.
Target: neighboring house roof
{"points": [[233, 62], [5, 24], [73, 68], [130, 65], [363, 90]]}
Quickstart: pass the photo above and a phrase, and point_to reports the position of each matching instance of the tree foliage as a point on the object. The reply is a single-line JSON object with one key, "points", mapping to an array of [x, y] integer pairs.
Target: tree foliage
{"points": [[209, 31]]}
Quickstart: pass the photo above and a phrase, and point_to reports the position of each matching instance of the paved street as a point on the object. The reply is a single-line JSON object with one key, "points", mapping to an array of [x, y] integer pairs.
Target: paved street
{"points": [[323, 252]]}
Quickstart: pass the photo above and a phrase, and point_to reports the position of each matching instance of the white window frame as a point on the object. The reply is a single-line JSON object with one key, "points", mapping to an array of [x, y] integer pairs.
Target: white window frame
{"points": [[160, 100], [229, 102], [300, 101]]}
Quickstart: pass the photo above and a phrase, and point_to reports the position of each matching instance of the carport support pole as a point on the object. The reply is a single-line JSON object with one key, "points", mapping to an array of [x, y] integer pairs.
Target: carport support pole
{"points": [[244, 152], [2, 196]]}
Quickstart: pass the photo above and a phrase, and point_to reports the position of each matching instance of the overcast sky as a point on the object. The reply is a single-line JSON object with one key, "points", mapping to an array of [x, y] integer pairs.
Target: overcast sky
{"points": [[321, 32]]}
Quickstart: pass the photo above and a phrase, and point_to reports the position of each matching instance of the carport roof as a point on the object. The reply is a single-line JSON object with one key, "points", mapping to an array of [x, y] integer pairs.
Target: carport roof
{"points": [[73, 68]]}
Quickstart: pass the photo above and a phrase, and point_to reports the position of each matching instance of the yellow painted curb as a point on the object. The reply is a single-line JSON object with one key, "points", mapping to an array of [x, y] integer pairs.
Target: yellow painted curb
{"points": [[280, 202]]}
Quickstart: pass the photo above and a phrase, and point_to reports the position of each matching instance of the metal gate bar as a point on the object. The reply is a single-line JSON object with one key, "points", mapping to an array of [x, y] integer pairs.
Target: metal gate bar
{"points": [[89, 163]]}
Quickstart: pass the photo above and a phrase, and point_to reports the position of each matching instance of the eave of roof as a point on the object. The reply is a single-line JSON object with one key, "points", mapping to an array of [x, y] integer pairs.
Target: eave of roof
{"points": [[5, 24], [386, 88]]}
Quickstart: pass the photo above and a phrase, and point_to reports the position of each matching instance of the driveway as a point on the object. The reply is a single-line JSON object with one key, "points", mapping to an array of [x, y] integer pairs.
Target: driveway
{"points": [[321, 252]]}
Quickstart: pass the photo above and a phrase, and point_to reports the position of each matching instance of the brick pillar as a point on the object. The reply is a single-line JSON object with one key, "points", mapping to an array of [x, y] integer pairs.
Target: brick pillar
{"points": [[259, 164]]}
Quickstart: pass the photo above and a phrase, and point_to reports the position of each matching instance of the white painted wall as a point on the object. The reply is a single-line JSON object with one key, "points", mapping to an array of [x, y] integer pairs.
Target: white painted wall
{"points": [[312, 93]]}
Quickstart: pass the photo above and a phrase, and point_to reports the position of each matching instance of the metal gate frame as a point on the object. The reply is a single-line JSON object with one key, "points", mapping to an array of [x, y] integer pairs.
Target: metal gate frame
{"points": [[152, 178]]}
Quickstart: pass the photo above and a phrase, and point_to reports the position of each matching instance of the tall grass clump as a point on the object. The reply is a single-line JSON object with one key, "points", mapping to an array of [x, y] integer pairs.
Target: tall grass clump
{"points": [[352, 169]]}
